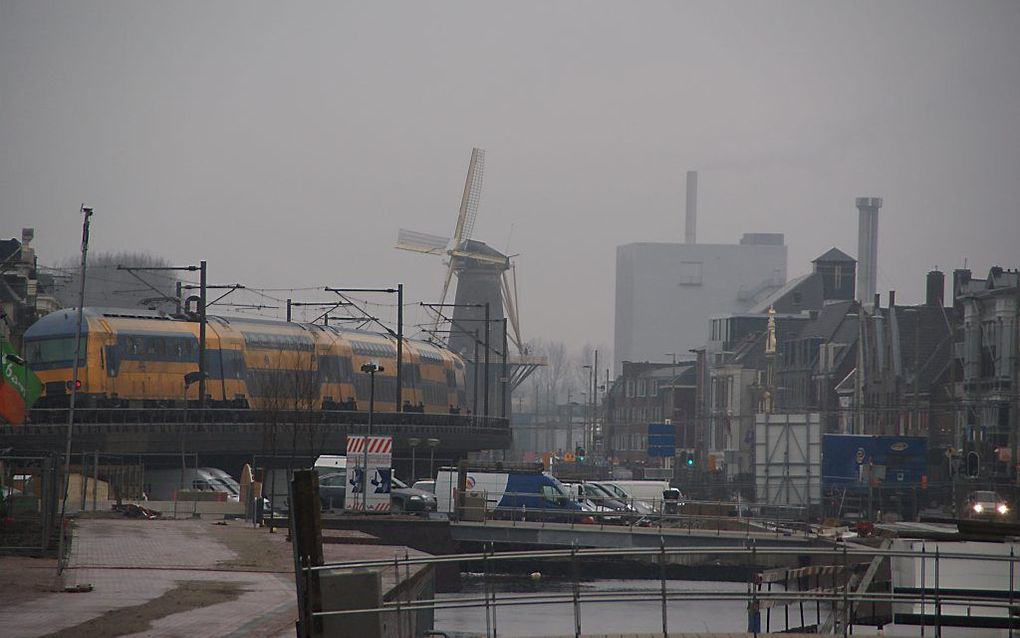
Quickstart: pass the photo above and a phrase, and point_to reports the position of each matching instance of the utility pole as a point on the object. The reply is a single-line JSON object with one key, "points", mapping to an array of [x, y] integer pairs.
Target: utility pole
{"points": [[201, 336], [503, 378], [594, 402], [87, 213], [474, 365], [486, 400], [400, 346]]}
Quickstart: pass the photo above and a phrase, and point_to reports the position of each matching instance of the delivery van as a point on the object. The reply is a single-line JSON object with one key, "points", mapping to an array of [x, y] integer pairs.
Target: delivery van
{"points": [[511, 492]]}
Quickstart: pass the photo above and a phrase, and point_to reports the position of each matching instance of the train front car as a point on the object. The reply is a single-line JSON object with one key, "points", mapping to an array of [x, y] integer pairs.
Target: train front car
{"points": [[49, 352]]}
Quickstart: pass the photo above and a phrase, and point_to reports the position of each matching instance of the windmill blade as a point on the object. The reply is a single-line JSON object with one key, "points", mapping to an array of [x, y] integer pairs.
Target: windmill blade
{"points": [[442, 297], [421, 242], [469, 200], [510, 305]]}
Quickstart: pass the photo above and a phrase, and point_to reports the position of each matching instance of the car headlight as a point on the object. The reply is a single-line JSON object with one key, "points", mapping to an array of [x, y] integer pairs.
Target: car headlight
{"points": [[1002, 509], [415, 497], [978, 508]]}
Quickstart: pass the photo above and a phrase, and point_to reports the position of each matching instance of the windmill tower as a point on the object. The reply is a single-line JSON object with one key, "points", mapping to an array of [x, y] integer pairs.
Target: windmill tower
{"points": [[484, 276]]}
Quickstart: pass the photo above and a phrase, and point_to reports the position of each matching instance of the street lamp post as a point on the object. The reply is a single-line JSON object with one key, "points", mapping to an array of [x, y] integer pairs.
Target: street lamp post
{"points": [[432, 443], [369, 368], [414, 442]]}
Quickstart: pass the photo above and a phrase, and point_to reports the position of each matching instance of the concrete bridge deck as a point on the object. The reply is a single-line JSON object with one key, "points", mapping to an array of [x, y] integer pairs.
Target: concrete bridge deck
{"points": [[248, 432]]}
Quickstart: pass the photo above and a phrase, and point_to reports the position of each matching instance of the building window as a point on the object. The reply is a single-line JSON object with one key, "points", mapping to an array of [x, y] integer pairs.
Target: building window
{"points": [[690, 273], [641, 387]]}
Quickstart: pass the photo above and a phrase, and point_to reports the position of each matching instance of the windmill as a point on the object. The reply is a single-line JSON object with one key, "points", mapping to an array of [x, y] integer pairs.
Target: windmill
{"points": [[484, 276]]}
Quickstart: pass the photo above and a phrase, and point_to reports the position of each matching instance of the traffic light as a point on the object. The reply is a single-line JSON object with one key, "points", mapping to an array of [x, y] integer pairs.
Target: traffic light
{"points": [[687, 458], [579, 453]]}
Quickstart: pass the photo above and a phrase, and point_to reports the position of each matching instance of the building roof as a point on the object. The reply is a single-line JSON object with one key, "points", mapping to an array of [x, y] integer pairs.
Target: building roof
{"points": [[9, 249], [828, 321], [835, 254], [808, 286]]}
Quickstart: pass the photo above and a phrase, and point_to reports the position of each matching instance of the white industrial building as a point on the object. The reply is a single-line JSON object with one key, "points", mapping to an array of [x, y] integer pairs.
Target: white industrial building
{"points": [[666, 293]]}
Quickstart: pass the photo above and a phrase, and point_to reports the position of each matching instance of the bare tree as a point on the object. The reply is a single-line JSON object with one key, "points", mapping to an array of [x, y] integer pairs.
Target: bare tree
{"points": [[109, 287]]}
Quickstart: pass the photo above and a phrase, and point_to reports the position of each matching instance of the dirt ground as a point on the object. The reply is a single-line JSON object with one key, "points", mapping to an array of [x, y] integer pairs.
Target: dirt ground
{"points": [[23, 578], [257, 549], [186, 596]]}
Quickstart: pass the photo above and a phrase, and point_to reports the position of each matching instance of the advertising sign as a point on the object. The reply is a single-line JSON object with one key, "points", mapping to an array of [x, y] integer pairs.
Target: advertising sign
{"points": [[378, 474], [19, 387]]}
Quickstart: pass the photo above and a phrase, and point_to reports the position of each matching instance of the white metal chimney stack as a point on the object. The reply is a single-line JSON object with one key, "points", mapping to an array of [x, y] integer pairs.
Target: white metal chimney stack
{"points": [[690, 229], [867, 248]]}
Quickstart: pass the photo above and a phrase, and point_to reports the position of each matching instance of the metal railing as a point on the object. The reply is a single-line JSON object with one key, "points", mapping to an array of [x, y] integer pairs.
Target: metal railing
{"points": [[839, 601], [666, 516]]}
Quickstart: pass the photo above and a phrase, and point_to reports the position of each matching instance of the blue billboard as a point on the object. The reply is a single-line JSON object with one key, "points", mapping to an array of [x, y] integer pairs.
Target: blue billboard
{"points": [[849, 459]]}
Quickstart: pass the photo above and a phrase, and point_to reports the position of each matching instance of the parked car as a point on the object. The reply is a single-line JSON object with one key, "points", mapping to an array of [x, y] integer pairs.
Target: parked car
{"points": [[604, 504], [333, 489], [986, 504], [410, 499], [429, 485]]}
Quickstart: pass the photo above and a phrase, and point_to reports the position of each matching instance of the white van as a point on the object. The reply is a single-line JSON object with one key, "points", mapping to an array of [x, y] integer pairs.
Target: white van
{"points": [[649, 492], [160, 485]]}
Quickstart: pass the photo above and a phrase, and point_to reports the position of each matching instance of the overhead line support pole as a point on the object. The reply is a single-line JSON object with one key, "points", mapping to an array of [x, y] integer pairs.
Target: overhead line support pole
{"points": [[201, 336], [503, 376], [400, 346], [87, 212], [486, 399]]}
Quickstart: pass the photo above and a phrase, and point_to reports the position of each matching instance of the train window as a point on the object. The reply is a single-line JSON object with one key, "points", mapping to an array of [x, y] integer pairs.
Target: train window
{"points": [[269, 341], [53, 353]]}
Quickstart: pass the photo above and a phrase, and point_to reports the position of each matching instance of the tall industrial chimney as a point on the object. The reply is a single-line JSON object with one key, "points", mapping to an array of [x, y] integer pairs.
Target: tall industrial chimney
{"points": [[867, 247], [690, 229], [935, 288]]}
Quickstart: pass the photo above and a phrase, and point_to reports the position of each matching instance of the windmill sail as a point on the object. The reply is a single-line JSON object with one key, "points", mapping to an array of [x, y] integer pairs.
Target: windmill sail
{"points": [[421, 242], [472, 195]]}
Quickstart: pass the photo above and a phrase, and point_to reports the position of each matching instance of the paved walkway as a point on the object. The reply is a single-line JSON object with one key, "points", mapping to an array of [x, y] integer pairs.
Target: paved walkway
{"points": [[131, 563]]}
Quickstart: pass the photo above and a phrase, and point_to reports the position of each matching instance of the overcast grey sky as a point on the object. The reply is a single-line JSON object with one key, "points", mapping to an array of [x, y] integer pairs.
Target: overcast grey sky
{"points": [[287, 142]]}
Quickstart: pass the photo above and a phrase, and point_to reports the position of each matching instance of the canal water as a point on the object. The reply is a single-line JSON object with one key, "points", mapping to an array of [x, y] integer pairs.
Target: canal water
{"points": [[643, 614]]}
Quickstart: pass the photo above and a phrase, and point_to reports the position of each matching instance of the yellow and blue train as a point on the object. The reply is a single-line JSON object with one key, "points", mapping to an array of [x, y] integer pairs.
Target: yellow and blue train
{"points": [[139, 359]]}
